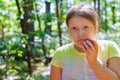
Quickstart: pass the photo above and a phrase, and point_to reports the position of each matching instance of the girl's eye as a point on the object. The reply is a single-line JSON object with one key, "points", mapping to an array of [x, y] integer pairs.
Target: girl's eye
{"points": [[74, 28], [85, 27]]}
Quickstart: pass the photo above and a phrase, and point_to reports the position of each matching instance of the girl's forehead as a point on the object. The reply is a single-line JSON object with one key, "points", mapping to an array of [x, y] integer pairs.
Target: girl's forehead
{"points": [[78, 20]]}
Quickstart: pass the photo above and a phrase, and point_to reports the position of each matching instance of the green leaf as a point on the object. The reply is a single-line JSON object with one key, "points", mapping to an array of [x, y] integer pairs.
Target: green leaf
{"points": [[20, 53]]}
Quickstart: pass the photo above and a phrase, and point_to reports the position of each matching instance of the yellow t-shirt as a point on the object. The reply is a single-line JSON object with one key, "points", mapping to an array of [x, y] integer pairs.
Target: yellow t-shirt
{"points": [[74, 63]]}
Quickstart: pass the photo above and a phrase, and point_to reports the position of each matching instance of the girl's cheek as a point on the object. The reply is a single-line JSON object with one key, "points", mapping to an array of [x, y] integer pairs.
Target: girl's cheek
{"points": [[74, 36], [89, 34]]}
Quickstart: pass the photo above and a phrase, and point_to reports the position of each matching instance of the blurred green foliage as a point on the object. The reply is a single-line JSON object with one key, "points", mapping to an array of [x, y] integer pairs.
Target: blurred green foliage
{"points": [[13, 41]]}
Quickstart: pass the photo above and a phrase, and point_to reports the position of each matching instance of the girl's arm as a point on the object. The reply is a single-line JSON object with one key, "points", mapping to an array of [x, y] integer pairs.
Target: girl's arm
{"points": [[55, 73], [114, 65], [107, 73]]}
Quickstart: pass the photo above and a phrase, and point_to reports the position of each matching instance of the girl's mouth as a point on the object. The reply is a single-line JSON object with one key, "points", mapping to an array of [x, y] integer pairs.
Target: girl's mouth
{"points": [[80, 42]]}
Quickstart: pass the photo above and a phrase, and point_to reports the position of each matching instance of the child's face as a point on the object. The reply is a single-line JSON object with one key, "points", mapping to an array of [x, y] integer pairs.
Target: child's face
{"points": [[80, 29]]}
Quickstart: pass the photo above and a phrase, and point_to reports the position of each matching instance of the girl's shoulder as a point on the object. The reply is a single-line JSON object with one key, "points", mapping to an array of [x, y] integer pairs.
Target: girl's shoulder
{"points": [[63, 50], [105, 42], [65, 47]]}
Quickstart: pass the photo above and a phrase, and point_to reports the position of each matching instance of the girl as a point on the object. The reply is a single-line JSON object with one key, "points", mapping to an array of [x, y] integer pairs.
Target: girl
{"points": [[85, 58]]}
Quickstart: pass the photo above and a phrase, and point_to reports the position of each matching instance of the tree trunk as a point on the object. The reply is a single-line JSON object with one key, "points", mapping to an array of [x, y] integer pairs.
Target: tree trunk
{"points": [[38, 18], [59, 22], [29, 60], [61, 10], [106, 22], [99, 8], [48, 18], [113, 14], [27, 26], [18, 6], [95, 4]]}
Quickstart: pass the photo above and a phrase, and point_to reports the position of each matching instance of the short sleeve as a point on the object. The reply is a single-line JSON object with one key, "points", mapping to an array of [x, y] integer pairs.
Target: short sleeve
{"points": [[113, 50], [56, 59]]}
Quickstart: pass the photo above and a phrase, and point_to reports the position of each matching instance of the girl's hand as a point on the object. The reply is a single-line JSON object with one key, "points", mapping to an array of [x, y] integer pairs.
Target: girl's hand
{"points": [[91, 49]]}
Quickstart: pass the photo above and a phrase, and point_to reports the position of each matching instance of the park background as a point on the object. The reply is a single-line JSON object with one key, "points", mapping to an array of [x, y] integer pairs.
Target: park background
{"points": [[31, 30]]}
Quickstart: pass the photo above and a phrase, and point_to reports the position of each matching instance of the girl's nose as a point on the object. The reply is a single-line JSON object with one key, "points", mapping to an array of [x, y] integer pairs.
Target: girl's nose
{"points": [[81, 33]]}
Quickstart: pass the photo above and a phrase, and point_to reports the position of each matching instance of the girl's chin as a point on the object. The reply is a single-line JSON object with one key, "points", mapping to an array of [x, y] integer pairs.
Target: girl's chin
{"points": [[79, 46]]}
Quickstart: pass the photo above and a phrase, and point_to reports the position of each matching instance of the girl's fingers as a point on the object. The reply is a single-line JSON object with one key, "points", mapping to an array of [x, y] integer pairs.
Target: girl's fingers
{"points": [[95, 44], [86, 47], [90, 46]]}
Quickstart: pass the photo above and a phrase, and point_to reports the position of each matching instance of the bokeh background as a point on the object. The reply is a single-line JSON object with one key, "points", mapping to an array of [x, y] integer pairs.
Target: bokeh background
{"points": [[31, 30]]}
